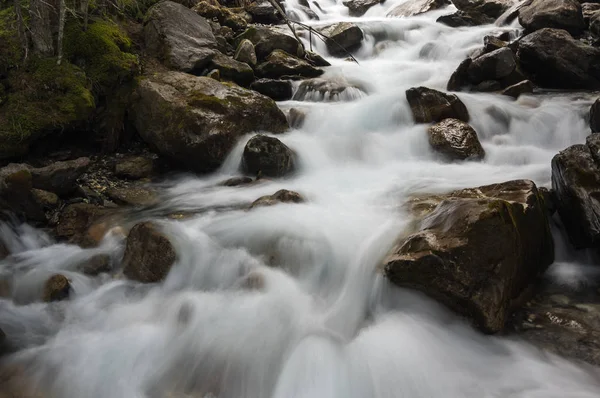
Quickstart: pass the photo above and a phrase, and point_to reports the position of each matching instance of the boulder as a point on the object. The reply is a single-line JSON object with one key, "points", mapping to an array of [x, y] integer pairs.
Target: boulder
{"points": [[524, 87], [488, 86], [460, 77], [327, 90], [267, 156], [245, 53], [132, 195], [149, 255], [576, 183], [428, 105], [476, 250], [196, 121], [553, 59], [491, 8], [595, 116], [492, 66], [81, 223], [267, 39], [358, 8], [557, 14], [263, 12], [134, 167], [179, 37], [455, 140], [342, 38], [222, 14], [59, 177], [56, 288], [279, 64], [278, 90], [232, 70], [281, 196], [465, 18], [411, 8]]}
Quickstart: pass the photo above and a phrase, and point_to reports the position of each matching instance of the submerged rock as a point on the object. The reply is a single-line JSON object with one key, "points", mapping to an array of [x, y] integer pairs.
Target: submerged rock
{"points": [[342, 38], [358, 8], [553, 59], [267, 156], [279, 64], [477, 250], [149, 255], [281, 196], [428, 105], [524, 87], [179, 37], [196, 121], [57, 288], [411, 8], [455, 140], [557, 14]]}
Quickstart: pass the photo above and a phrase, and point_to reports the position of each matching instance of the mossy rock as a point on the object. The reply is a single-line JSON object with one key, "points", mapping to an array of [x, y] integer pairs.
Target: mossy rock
{"points": [[104, 52], [42, 97]]}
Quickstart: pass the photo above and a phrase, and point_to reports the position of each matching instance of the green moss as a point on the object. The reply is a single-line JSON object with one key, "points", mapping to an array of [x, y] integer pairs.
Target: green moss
{"points": [[10, 50], [103, 51], [43, 97], [199, 99]]}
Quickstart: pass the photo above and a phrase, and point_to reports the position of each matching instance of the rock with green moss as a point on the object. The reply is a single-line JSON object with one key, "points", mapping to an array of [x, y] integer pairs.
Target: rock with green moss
{"points": [[279, 64], [196, 121], [476, 250], [179, 37], [232, 70], [43, 98], [267, 39], [224, 15], [245, 53]]}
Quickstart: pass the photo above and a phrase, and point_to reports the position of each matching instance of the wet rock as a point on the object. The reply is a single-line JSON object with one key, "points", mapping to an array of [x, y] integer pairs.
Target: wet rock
{"points": [[411, 8], [428, 105], [491, 8], [47, 200], [492, 66], [96, 265], [492, 43], [262, 11], [232, 70], [460, 77], [576, 182], [455, 140], [132, 195], [476, 250], [236, 182], [549, 200], [464, 18], [488, 86], [134, 167], [267, 39], [57, 288], [76, 221], [296, 118], [16, 195], [320, 90], [342, 38], [279, 64], [553, 59], [278, 90], [358, 8], [210, 117], [267, 156], [595, 116], [524, 87], [281, 196], [149, 255], [222, 14], [245, 53], [179, 37], [315, 59], [557, 14], [59, 177]]}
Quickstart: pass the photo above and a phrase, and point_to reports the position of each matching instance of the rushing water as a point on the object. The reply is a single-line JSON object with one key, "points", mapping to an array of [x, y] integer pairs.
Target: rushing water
{"points": [[287, 301]]}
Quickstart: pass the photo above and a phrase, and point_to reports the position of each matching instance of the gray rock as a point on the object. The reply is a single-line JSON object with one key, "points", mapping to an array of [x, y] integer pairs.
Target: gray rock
{"points": [[232, 70], [342, 38], [557, 14], [267, 156], [416, 7], [278, 90], [245, 53], [358, 8], [595, 116], [491, 8], [516, 90], [492, 66], [465, 18], [263, 12], [179, 37], [327, 90], [267, 39], [455, 140], [279, 64]]}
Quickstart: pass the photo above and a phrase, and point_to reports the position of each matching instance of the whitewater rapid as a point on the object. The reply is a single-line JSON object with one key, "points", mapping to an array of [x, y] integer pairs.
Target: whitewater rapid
{"points": [[288, 301]]}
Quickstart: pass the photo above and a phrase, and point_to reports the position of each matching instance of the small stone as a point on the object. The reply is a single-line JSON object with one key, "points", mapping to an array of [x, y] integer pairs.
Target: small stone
{"points": [[57, 288], [47, 200], [281, 196], [134, 167], [516, 90]]}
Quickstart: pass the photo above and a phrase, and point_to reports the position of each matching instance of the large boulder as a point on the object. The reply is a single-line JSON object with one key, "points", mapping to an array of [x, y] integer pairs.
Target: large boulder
{"points": [[428, 105], [179, 37], [595, 116], [492, 66], [149, 255], [576, 183], [267, 39], [476, 250], [553, 59], [358, 8], [465, 18], [491, 8], [196, 121], [342, 38], [267, 156], [232, 70], [455, 140], [279, 64], [279, 90], [558, 14], [410, 8]]}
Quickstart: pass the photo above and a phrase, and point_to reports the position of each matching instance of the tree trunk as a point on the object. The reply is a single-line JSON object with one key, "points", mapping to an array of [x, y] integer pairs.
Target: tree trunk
{"points": [[41, 27], [23, 40], [61, 30], [84, 9]]}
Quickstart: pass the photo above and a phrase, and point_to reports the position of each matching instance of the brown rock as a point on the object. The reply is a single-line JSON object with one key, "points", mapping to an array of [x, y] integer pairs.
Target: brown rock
{"points": [[82, 223], [281, 196], [455, 140], [59, 177], [429, 105], [134, 167], [57, 288], [268, 156], [524, 87]]}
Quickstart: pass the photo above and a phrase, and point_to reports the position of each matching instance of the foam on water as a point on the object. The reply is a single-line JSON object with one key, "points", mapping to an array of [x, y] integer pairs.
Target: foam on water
{"points": [[288, 301]]}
